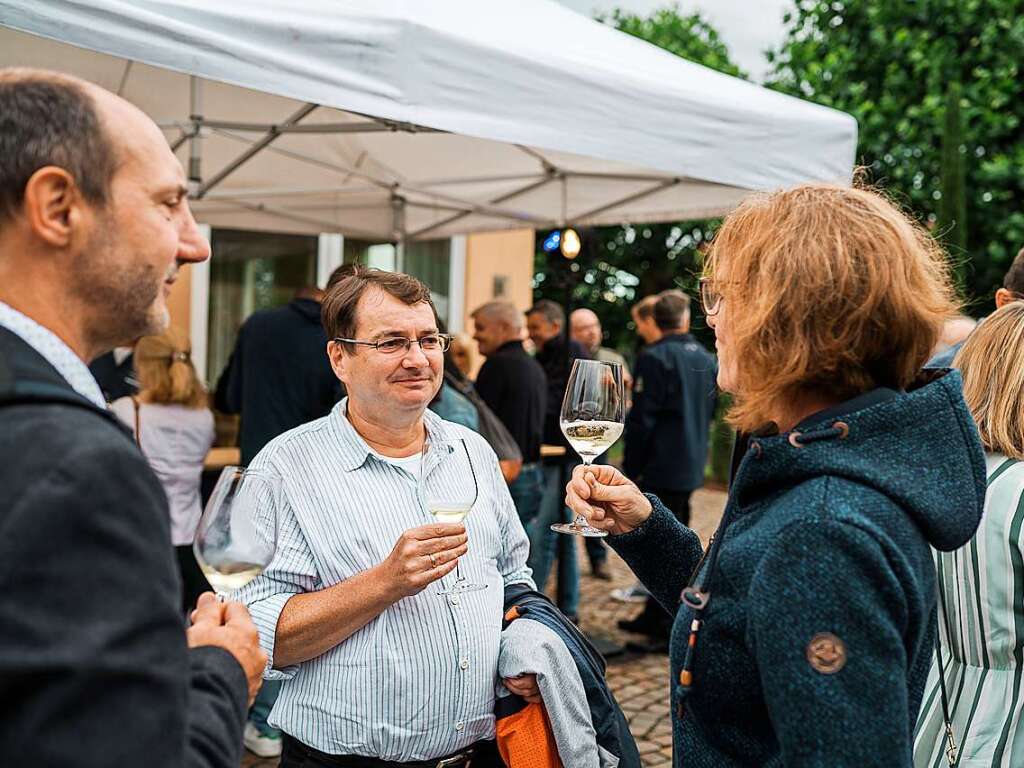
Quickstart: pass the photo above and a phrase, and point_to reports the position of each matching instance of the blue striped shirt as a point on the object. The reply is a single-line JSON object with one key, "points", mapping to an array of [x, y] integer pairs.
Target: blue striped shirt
{"points": [[418, 682]]}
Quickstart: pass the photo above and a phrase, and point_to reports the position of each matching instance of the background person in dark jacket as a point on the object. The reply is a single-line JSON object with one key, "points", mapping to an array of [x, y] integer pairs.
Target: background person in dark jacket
{"points": [[805, 637], [278, 375], [545, 322], [667, 432], [514, 386], [96, 668]]}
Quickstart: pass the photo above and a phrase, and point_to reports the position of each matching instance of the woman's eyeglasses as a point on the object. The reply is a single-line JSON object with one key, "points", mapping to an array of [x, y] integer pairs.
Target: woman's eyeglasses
{"points": [[710, 298], [399, 344]]}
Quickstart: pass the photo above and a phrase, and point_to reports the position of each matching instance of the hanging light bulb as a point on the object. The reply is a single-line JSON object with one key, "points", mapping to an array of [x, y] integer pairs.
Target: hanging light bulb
{"points": [[570, 243]]}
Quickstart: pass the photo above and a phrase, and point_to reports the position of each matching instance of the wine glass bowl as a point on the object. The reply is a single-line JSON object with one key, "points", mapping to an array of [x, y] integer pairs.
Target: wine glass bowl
{"points": [[237, 536], [592, 419], [447, 501]]}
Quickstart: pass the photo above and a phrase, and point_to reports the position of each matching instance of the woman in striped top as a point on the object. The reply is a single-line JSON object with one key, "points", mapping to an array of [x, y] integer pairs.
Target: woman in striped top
{"points": [[981, 586]]}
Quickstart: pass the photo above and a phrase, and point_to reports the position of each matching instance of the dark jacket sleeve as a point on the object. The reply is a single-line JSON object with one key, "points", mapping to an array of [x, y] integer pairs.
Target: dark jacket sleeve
{"points": [[662, 552], [228, 397], [647, 399], [832, 579], [93, 657]]}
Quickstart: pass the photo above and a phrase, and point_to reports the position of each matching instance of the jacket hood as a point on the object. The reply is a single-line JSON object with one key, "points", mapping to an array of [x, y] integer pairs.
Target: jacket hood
{"points": [[920, 448], [309, 309]]}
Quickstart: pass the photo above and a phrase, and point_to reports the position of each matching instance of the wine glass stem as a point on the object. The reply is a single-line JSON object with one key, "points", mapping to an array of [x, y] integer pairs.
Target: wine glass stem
{"points": [[580, 521]]}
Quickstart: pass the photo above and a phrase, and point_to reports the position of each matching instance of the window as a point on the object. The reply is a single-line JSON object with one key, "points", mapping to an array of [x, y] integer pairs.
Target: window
{"points": [[250, 271]]}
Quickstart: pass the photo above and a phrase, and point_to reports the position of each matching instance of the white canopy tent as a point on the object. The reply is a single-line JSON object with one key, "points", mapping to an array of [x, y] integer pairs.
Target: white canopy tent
{"points": [[402, 119]]}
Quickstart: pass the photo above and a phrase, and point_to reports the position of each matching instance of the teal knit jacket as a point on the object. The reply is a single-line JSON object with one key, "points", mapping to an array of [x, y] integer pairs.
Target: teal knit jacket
{"points": [[819, 632]]}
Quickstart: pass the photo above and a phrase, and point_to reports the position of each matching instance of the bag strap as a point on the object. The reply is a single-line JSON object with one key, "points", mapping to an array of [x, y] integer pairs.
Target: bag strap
{"points": [[950, 738], [138, 428]]}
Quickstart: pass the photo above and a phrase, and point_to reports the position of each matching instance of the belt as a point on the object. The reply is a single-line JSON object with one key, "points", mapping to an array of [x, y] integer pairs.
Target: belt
{"points": [[460, 759]]}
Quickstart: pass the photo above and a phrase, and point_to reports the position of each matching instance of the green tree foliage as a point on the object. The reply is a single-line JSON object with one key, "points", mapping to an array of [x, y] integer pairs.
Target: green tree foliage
{"points": [[619, 265], [952, 217], [891, 63]]}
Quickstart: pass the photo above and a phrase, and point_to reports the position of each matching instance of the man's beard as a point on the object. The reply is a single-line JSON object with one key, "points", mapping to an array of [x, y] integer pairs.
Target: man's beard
{"points": [[120, 297]]}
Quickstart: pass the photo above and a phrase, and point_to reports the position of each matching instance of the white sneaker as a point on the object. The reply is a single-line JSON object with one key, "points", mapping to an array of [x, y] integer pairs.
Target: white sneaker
{"points": [[634, 594], [261, 744]]}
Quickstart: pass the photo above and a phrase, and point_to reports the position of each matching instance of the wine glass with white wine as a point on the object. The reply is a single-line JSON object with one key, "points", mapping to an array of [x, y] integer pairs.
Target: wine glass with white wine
{"points": [[237, 534], [448, 485], [593, 414]]}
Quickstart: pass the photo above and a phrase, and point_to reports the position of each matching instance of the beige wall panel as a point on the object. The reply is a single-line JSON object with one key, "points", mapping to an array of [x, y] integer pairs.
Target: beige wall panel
{"points": [[179, 303], [498, 265]]}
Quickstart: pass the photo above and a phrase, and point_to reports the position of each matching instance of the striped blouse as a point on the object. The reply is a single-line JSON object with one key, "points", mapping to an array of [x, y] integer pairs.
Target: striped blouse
{"points": [[418, 682], [981, 628]]}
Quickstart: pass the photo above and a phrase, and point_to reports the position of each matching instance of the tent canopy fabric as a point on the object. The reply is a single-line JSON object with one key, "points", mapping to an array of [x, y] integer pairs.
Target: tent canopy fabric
{"points": [[391, 119]]}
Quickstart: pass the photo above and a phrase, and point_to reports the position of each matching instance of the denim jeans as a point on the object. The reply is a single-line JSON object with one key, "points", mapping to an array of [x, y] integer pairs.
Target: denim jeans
{"points": [[545, 544], [261, 706], [527, 491]]}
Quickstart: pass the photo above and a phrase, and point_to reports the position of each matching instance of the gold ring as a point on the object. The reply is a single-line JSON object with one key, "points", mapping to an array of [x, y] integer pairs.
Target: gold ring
{"points": [[433, 560]]}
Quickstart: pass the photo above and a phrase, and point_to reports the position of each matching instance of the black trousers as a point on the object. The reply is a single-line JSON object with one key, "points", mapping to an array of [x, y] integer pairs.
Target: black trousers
{"points": [[657, 618]]}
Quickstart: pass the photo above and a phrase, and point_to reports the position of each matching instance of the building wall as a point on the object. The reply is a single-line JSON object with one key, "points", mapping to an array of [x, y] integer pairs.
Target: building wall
{"points": [[179, 302], [499, 265]]}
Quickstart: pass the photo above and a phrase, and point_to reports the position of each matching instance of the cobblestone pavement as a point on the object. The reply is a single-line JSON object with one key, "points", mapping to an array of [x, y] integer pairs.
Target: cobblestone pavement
{"points": [[640, 683]]}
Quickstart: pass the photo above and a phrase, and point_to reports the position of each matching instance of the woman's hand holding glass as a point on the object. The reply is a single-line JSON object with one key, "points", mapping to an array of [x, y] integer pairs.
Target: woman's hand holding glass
{"points": [[607, 498]]}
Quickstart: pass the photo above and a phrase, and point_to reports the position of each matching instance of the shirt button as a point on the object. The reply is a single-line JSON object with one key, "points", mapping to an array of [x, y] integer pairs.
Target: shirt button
{"points": [[464, 664], [454, 599], [459, 725]]}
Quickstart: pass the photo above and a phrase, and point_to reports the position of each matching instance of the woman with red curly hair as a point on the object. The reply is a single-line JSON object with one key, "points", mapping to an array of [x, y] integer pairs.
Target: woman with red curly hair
{"points": [[805, 635]]}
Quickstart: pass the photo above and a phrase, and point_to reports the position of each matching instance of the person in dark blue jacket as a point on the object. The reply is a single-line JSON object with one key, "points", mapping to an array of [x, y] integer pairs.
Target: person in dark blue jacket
{"points": [[805, 635], [667, 429]]}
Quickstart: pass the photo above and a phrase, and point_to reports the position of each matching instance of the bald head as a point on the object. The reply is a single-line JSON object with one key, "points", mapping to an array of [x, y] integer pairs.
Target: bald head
{"points": [[494, 324], [585, 328], [52, 119]]}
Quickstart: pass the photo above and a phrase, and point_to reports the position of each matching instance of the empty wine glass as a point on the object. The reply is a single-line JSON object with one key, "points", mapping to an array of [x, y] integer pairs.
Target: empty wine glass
{"points": [[448, 485], [592, 419], [237, 534]]}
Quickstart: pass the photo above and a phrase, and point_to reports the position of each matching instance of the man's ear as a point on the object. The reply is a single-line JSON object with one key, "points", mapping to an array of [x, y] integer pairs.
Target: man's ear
{"points": [[338, 360], [1004, 297], [53, 205]]}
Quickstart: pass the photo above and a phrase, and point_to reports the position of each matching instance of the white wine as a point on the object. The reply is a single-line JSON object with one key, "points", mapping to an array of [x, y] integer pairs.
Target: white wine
{"points": [[230, 576], [450, 512], [591, 438]]}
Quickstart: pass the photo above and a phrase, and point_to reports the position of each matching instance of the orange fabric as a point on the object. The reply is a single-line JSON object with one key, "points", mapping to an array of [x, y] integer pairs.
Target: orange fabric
{"points": [[525, 739]]}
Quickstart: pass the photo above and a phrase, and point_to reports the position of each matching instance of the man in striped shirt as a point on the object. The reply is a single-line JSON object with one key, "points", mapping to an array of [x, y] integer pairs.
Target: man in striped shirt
{"points": [[381, 669]]}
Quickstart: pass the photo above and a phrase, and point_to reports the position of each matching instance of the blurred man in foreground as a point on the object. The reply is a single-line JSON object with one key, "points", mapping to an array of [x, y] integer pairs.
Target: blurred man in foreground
{"points": [[95, 665]]}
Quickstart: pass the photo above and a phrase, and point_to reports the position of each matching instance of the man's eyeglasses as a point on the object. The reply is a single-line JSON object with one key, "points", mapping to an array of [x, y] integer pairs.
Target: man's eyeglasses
{"points": [[710, 298], [393, 345]]}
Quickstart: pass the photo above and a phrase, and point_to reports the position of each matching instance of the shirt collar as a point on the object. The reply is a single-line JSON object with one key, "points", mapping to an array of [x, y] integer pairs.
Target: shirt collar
{"points": [[54, 351], [354, 450]]}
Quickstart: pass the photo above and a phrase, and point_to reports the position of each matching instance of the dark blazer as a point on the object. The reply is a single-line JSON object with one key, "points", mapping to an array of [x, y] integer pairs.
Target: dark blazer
{"points": [[279, 375], [667, 429], [94, 667]]}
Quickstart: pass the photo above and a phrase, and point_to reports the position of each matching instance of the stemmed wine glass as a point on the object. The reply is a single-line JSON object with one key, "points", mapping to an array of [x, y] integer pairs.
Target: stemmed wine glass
{"points": [[237, 534], [448, 485], [593, 415]]}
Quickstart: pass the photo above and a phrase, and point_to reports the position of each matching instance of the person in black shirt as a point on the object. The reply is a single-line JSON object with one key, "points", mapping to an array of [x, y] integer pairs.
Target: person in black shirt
{"points": [[545, 322], [514, 386]]}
